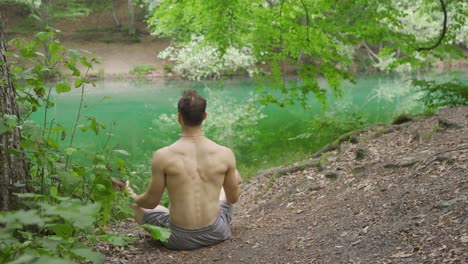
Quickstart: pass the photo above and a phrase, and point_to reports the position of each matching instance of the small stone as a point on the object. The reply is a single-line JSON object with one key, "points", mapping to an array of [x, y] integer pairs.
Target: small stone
{"points": [[445, 123], [331, 175], [464, 239]]}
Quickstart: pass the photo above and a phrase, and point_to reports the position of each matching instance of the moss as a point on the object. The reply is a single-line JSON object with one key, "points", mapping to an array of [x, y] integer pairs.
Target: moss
{"points": [[323, 160], [358, 170], [403, 118]]}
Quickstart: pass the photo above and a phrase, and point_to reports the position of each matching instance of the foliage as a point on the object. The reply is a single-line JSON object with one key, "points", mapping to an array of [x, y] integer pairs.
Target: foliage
{"points": [[72, 186], [197, 61], [312, 38], [142, 70], [47, 12], [438, 95], [50, 232]]}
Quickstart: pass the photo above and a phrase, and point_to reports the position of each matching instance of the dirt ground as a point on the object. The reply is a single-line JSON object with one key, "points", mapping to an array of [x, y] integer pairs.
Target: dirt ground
{"points": [[398, 194]]}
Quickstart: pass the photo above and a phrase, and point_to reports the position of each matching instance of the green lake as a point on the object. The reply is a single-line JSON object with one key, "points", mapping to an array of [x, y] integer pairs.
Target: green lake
{"points": [[262, 136]]}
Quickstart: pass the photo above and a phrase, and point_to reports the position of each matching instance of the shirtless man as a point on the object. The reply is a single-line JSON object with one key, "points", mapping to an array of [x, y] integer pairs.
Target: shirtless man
{"points": [[201, 179]]}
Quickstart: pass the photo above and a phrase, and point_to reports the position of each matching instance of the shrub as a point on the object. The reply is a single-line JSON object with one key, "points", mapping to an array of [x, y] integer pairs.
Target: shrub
{"points": [[438, 95], [198, 61]]}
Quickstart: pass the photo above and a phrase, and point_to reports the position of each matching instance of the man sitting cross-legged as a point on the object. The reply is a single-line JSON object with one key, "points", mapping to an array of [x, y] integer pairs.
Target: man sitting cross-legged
{"points": [[201, 179]]}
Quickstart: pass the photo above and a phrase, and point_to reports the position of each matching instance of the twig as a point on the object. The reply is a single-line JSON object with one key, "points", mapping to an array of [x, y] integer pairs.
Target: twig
{"points": [[444, 29], [77, 119]]}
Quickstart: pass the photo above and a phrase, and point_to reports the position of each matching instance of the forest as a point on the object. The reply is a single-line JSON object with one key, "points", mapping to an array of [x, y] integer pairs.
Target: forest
{"points": [[89, 91]]}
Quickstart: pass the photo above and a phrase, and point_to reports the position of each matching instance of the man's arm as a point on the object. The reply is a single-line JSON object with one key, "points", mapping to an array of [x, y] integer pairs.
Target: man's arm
{"points": [[151, 198], [232, 180]]}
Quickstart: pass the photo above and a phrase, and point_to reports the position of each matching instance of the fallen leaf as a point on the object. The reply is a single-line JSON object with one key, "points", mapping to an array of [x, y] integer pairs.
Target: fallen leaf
{"points": [[402, 254], [291, 245]]}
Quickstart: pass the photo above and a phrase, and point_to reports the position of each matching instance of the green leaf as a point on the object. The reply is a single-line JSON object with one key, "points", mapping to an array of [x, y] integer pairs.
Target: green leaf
{"points": [[52, 260], [34, 196], [100, 187], [70, 182], [62, 87], [24, 259], [30, 217], [157, 232], [8, 123], [83, 128], [78, 82], [62, 230], [74, 55], [86, 63], [72, 67], [52, 143], [31, 130], [53, 191], [88, 254], [69, 151], [44, 36], [121, 151], [114, 239], [80, 216]]}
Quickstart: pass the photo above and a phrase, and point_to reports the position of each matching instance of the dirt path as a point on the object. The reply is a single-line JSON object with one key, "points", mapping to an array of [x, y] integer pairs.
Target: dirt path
{"points": [[399, 195], [121, 58]]}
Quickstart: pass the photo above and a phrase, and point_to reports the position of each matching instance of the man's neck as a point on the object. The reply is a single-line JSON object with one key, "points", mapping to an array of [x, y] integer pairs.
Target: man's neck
{"points": [[191, 131]]}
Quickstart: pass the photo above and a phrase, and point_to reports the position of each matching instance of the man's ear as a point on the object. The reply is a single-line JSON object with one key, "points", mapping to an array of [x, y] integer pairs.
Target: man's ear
{"points": [[180, 119], [204, 115]]}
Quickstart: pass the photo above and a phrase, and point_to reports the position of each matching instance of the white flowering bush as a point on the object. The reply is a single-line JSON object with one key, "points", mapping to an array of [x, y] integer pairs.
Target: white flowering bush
{"points": [[228, 123], [197, 61], [426, 26], [397, 93]]}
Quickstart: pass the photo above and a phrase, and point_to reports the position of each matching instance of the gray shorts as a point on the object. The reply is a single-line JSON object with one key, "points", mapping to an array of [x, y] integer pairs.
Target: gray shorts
{"points": [[184, 239]]}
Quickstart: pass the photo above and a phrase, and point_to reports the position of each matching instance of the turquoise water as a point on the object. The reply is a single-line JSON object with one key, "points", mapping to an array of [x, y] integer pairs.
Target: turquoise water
{"points": [[261, 136]]}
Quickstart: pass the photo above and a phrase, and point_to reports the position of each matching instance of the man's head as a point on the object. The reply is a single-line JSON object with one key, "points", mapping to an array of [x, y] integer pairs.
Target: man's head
{"points": [[191, 107]]}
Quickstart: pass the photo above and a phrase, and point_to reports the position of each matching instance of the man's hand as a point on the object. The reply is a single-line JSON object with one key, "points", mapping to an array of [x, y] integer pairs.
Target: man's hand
{"points": [[129, 190]]}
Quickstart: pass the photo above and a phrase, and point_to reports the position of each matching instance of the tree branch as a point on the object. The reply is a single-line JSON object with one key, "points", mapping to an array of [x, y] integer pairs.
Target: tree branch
{"points": [[307, 20], [444, 29]]}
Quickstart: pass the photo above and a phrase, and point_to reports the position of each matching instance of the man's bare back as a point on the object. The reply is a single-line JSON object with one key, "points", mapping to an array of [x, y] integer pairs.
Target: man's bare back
{"points": [[195, 169]]}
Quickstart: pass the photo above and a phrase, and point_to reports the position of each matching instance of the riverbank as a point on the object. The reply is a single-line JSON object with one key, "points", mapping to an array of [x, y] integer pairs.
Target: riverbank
{"points": [[391, 194]]}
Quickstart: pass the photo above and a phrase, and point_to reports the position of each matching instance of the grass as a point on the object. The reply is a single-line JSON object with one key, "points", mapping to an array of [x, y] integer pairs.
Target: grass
{"points": [[142, 70]]}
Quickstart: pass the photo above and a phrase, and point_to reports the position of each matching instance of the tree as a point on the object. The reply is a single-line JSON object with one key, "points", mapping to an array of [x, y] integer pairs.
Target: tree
{"points": [[317, 38], [131, 18], [118, 25], [13, 166]]}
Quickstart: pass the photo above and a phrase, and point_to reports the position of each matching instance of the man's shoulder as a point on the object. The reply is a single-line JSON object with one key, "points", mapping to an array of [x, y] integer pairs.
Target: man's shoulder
{"points": [[220, 148], [161, 153]]}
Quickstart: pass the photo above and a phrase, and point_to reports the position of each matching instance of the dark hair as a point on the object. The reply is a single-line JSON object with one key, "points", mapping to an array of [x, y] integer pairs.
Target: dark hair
{"points": [[192, 107]]}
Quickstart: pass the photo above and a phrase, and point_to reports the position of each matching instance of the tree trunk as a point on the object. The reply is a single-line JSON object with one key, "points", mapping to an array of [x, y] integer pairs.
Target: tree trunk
{"points": [[116, 20], [13, 166], [131, 18]]}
